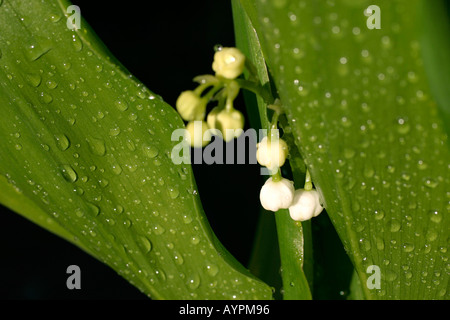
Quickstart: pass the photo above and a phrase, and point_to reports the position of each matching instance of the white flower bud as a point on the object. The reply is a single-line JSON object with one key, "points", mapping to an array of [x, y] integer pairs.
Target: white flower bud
{"points": [[212, 117], [305, 205], [277, 195], [271, 154], [191, 106], [228, 63], [197, 134], [229, 122]]}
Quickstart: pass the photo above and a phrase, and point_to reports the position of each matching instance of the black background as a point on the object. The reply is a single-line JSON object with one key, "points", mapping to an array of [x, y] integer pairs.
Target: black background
{"points": [[164, 44]]}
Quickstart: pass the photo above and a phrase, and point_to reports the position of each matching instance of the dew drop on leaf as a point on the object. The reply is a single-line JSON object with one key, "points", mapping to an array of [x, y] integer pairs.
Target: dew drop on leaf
{"points": [[394, 225], [121, 105], [212, 269], [95, 210], [62, 142], [97, 146], [178, 258], [173, 193], [51, 84], [68, 173], [145, 244], [193, 281], [150, 151], [46, 98], [435, 216], [408, 247], [77, 43], [33, 79]]}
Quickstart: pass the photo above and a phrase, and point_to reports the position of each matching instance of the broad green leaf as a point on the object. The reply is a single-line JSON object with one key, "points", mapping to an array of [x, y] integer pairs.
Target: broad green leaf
{"points": [[85, 152], [367, 124]]}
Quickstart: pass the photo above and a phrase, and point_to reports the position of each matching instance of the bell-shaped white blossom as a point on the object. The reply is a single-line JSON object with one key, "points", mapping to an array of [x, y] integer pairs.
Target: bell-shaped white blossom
{"points": [[229, 63], [229, 122], [271, 154], [305, 205], [276, 195], [197, 134], [191, 106]]}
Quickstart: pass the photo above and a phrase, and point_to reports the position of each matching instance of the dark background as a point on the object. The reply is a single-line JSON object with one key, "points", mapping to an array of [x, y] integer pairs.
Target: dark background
{"points": [[164, 45]]}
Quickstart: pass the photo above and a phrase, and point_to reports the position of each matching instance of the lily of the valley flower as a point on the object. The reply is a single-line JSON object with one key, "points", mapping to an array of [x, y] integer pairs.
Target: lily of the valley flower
{"points": [[305, 205], [191, 106], [271, 153], [276, 195], [230, 122], [197, 134], [228, 63]]}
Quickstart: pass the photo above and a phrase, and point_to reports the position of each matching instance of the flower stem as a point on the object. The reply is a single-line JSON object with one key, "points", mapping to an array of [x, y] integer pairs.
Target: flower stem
{"points": [[308, 182]]}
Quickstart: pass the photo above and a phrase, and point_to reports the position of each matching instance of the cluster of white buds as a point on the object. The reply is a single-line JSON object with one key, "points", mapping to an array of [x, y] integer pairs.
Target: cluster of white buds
{"points": [[223, 119], [302, 204], [279, 193]]}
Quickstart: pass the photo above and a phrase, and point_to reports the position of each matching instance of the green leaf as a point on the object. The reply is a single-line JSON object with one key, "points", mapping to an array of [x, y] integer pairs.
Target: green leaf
{"points": [[291, 235], [86, 153], [367, 124]]}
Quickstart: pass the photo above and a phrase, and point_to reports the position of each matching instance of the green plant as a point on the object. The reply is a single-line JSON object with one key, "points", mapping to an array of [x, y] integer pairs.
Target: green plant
{"points": [[86, 150]]}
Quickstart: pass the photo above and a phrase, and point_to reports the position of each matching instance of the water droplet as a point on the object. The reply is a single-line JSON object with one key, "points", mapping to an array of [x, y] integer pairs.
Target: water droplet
{"points": [[121, 105], [118, 209], [114, 131], [51, 84], [77, 43], [421, 165], [68, 173], [116, 169], [349, 153], [394, 225], [145, 244], [430, 183], [66, 65], [187, 218], [62, 142], [103, 182], [212, 269], [150, 151], [95, 210], [46, 98], [390, 275], [33, 79], [379, 243], [127, 223], [173, 193], [79, 213], [193, 281], [97, 146], [435, 216], [37, 50], [368, 171], [178, 258], [431, 235], [218, 47], [160, 274], [158, 229], [403, 126], [408, 247], [379, 214], [55, 18]]}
